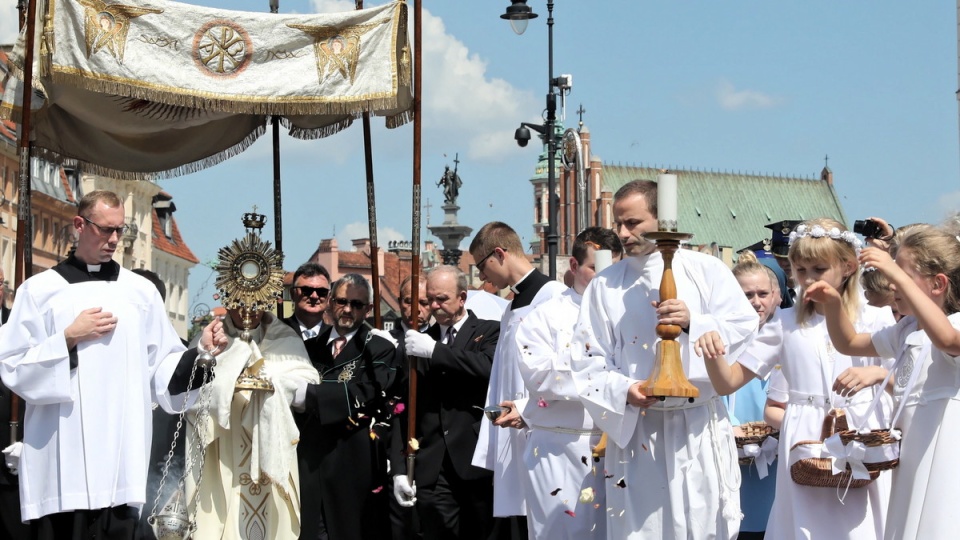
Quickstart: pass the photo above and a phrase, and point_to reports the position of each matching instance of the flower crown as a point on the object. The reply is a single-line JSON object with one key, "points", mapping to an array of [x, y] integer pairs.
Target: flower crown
{"points": [[818, 231]]}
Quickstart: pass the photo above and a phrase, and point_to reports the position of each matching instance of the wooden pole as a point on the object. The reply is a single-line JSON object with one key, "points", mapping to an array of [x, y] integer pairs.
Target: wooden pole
{"points": [[372, 215], [415, 244], [23, 267]]}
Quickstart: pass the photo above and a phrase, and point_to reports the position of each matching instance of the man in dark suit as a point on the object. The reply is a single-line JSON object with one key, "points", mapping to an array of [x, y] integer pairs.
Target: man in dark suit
{"points": [[309, 293], [340, 466], [403, 521], [454, 499]]}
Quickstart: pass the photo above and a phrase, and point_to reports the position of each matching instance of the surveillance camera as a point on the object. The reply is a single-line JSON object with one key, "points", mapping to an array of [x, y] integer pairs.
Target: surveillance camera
{"points": [[522, 135], [565, 81]]}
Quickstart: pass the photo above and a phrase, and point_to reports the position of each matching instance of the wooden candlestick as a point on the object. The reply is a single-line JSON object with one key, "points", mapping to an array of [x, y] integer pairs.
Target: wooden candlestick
{"points": [[667, 378]]}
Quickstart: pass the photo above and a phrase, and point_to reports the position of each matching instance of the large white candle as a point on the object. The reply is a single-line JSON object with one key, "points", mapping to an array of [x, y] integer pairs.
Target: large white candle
{"points": [[602, 258], [667, 201]]}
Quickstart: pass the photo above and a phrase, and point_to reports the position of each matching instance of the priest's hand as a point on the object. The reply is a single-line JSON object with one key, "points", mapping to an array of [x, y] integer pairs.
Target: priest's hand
{"points": [[672, 311], [405, 493], [636, 397], [214, 338], [511, 418], [93, 323], [419, 345]]}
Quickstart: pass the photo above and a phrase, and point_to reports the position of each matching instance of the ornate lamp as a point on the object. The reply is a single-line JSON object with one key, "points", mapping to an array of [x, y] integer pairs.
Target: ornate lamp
{"points": [[667, 378]]}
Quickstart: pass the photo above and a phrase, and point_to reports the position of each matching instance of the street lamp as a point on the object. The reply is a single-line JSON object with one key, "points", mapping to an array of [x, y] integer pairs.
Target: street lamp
{"points": [[519, 14]]}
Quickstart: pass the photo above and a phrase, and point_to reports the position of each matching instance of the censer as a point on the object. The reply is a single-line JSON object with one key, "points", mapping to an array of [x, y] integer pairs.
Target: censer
{"points": [[250, 280]]}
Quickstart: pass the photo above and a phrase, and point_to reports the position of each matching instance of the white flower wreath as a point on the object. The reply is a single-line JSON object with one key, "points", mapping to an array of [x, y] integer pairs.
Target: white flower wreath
{"points": [[818, 231]]}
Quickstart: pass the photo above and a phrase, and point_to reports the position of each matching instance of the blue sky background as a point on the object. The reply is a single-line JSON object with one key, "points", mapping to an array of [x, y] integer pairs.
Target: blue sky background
{"points": [[752, 86]]}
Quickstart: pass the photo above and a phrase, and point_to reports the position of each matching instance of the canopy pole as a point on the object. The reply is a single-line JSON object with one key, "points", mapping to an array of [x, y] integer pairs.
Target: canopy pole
{"points": [[415, 243], [23, 267], [277, 196], [372, 215]]}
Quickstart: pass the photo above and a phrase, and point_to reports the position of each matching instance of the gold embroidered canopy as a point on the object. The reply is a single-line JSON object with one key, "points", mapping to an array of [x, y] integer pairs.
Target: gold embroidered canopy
{"points": [[152, 88]]}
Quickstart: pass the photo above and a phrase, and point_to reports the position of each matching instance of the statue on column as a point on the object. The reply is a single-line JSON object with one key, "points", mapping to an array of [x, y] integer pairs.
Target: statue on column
{"points": [[451, 183]]}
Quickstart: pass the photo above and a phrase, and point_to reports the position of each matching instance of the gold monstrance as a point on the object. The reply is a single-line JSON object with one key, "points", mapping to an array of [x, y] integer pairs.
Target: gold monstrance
{"points": [[667, 378]]}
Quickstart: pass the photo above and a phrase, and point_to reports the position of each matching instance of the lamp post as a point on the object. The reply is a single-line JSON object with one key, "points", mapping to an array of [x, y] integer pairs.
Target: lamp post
{"points": [[519, 14]]}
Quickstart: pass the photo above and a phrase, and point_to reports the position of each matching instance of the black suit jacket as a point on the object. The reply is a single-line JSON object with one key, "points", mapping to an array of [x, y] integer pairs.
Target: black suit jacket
{"points": [[451, 385], [340, 465], [292, 322]]}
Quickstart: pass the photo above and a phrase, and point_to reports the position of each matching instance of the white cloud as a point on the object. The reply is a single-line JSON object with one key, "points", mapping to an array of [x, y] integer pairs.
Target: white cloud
{"points": [[732, 99], [462, 106], [361, 229], [948, 204]]}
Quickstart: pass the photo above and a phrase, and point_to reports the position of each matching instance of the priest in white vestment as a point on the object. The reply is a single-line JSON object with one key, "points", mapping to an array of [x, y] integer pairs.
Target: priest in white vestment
{"points": [[564, 482], [672, 469], [89, 347], [250, 483]]}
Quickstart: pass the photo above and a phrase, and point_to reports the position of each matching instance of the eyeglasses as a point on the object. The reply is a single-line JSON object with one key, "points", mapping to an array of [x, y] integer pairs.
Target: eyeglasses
{"points": [[322, 292], [108, 231], [484, 260], [355, 304]]}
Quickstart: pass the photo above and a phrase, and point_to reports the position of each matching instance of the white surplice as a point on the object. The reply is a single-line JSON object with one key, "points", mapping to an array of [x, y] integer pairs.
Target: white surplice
{"points": [[87, 431], [559, 448], [672, 469], [250, 488], [809, 366], [501, 449], [927, 481]]}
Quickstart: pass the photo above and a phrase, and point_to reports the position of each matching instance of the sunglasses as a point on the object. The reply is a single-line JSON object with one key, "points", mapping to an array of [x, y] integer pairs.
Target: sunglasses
{"points": [[355, 304], [108, 231], [308, 291]]}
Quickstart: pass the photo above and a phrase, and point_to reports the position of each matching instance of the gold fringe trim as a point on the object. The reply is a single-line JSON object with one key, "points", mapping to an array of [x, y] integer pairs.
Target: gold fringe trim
{"points": [[89, 82], [311, 134], [181, 170], [398, 120]]}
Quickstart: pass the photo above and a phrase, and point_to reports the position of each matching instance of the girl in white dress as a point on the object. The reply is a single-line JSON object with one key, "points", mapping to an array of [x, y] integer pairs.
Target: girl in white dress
{"points": [[926, 342], [816, 378]]}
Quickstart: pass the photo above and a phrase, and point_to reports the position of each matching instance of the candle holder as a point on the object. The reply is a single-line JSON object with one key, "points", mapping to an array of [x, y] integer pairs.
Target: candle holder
{"points": [[667, 378]]}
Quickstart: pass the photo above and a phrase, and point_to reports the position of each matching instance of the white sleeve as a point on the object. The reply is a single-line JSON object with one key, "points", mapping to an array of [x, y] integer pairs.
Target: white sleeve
{"points": [[34, 362], [764, 352], [598, 377]]}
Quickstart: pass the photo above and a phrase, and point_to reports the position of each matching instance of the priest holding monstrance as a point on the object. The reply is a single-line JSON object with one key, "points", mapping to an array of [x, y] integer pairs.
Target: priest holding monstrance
{"points": [[671, 464], [242, 477]]}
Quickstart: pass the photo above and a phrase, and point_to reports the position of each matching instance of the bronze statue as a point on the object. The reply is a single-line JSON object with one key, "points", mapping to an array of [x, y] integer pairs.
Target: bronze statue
{"points": [[451, 185]]}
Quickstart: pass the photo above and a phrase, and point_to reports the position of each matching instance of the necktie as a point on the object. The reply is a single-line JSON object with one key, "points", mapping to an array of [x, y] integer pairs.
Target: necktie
{"points": [[451, 335], [309, 333], [338, 345]]}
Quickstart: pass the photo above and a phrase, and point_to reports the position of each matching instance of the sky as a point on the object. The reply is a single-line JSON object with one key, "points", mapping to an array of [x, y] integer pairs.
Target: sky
{"points": [[749, 86]]}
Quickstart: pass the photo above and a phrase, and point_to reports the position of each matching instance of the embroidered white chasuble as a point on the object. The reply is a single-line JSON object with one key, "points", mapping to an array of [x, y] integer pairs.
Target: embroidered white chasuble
{"points": [[250, 487]]}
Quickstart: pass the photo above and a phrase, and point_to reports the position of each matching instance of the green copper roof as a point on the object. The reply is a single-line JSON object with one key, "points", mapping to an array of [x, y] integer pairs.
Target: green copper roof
{"points": [[731, 209]]}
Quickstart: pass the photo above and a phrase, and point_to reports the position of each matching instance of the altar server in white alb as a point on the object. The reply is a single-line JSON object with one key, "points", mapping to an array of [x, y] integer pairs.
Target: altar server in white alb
{"points": [[88, 347], [671, 465], [502, 263], [564, 489]]}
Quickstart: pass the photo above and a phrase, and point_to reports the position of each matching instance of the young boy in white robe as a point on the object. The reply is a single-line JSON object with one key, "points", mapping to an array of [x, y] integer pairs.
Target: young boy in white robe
{"points": [[564, 488]]}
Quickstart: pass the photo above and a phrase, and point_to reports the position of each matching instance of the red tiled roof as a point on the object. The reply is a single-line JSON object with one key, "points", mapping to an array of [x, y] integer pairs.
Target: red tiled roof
{"points": [[174, 246]]}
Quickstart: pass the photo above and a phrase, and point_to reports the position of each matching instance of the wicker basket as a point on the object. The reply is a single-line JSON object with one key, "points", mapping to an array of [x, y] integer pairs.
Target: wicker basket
{"points": [[818, 472], [877, 437], [753, 433]]}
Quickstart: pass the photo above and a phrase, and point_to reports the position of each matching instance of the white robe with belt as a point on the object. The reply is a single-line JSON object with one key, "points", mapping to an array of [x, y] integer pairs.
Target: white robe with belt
{"points": [[501, 449], [672, 469], [559, 451], [87, 430]]}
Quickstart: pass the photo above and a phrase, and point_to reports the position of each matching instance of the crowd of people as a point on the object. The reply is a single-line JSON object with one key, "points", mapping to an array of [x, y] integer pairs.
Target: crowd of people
{"points": [[530, 421]]}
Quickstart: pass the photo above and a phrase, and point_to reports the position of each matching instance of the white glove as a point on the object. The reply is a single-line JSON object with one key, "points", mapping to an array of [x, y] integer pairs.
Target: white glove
{"points": [[384, 334], [11, 456], [405, 494], [419, 345]]}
